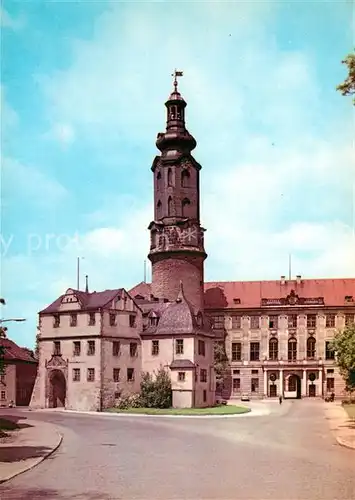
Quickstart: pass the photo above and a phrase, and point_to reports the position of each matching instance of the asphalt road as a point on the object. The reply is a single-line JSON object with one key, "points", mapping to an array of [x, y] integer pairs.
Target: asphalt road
{"points": [[287, 455]]}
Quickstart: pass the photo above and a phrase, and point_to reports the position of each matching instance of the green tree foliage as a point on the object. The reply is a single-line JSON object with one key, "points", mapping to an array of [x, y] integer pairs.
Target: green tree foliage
{"points": [[156, 390], [348, 86], [221, 362], [344, 348], [36, 353]]}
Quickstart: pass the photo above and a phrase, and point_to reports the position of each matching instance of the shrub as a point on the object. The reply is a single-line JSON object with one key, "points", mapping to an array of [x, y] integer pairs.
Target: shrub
{"points": [[129, 401], [156, 391]]}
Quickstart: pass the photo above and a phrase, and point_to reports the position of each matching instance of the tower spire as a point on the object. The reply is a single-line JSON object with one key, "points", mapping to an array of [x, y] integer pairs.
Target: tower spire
{"points": [[176, 74]]}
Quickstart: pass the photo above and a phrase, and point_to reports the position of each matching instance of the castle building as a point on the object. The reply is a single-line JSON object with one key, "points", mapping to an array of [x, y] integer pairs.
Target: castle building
{"points": [[277, 334], [93, 347], [19, 373]]}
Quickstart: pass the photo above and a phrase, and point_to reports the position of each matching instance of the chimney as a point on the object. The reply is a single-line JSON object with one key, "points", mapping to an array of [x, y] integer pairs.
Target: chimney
{"points": [[283, 280], [298, 279], [86, 284]]}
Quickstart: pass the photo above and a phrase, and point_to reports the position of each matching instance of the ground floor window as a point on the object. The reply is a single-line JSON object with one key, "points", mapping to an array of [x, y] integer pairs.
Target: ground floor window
{"points": [[3, 395], [254, 384], [330, 384], [292, 384], [236, 384], [204, 396]]}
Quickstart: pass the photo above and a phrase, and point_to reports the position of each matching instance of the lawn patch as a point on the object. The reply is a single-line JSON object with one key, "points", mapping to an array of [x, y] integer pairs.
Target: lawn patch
{"points": [[215, 410], [350, 409], [7, 425]]}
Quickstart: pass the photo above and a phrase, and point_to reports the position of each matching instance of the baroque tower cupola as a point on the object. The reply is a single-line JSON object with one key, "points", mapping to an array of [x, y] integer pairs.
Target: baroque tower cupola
{"points": [[177, 247]]}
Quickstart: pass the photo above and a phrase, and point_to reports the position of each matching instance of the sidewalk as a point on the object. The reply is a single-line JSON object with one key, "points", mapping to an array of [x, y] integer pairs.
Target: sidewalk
{"points": [[340, 424], [26, 447]]}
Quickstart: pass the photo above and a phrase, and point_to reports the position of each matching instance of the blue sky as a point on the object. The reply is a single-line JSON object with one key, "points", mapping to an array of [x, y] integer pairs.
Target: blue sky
{"points": [[83, 87]]}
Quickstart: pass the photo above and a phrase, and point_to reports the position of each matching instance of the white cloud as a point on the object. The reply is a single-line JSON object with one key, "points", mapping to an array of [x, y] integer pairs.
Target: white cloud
{"points": [[30, 182], [64, 133], [9, 117], [7, 21]]}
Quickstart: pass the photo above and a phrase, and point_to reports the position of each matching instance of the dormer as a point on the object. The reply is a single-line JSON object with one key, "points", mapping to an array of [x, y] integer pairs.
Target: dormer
{"points": [[70, 300]]}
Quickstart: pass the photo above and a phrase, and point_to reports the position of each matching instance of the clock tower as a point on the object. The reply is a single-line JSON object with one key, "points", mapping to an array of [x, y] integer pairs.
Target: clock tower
{"points": [[177, 249]]}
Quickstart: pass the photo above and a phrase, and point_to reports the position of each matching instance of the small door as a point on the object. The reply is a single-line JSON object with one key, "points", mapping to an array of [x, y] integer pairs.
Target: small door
{"points": [[312, 391], [273, 391]]}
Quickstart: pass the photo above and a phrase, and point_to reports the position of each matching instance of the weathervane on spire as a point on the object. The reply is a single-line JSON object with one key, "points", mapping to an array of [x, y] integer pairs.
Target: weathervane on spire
{"points": [[175, 75]]}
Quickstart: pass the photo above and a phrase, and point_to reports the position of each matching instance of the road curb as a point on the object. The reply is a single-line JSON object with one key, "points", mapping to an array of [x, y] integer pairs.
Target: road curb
{"points": [[36, 462], [346, 444], [250, 413]]}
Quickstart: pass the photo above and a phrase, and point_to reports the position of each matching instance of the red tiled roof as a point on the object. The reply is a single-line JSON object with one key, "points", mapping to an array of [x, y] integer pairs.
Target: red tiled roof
{"points": [[15, 353], [91, 300], [227, 294]]}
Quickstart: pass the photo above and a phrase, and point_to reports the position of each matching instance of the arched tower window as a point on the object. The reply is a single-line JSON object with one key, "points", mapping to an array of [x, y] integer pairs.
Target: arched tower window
{"points": [[311, 348], [185, 207], [172, 112], [292, 349], [273, 349], [170, 206], [159, 180], [170, 177], [159, 211], [185, 178]]}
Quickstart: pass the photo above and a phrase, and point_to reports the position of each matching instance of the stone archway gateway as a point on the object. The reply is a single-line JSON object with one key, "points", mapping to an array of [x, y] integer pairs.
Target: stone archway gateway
{"points": [[57, 389]]}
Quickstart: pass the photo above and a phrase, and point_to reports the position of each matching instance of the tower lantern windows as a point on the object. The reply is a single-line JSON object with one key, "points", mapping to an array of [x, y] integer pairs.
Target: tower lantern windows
{"points": [[158, 180], [185, 207], [185, 178], [159, 209], [170, 206], [170, 177]]}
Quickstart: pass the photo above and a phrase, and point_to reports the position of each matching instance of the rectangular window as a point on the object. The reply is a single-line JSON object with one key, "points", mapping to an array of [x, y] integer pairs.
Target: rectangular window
{"points": [[311, 320], [255, 372], [330, 370], [254, 351], [91, 375], [254, 385], [236, 351], [349, 319], [91, 347], [56, 321], [204, 395], [292, 350], [254, 322], [330, 320], [203, 375], [116, 348], [201, 348], [92, 319], [2, 379], [236, 372], [133, 349], [292, 321], [155, 347], [3, 395], [179, 347], [181, 376], [76, 374], [132, 321], [236, 384], [112, 319], [273, 322], [116, 374], [330, 384], [73, 319], [130, 374], [236, 322], [56, 348], [77, 348], [329, 353], [218, 322]]}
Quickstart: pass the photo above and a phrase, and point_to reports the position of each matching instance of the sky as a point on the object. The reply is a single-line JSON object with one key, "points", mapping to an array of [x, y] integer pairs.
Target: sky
{"points": [[83, 86]]}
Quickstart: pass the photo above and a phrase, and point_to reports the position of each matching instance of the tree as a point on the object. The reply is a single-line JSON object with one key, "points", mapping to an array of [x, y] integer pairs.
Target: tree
{"points": [[221, 362], [348, 86], [2, 350], [36, 353], [344, 347]]}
